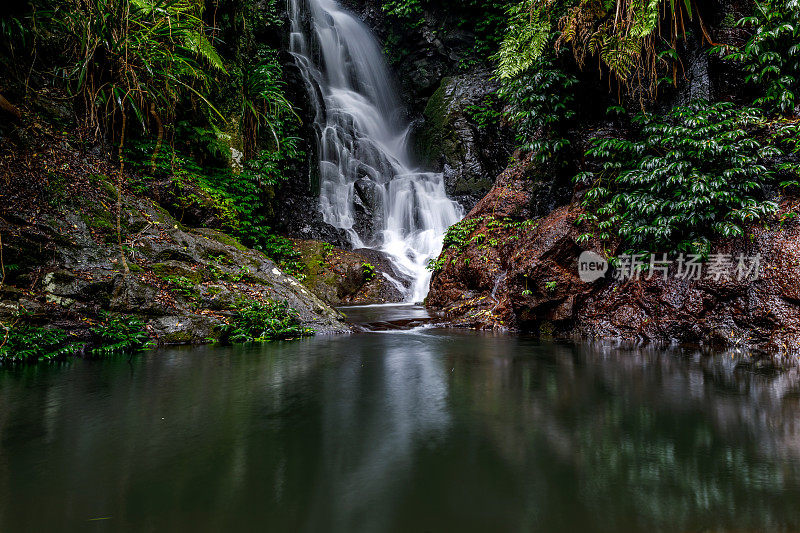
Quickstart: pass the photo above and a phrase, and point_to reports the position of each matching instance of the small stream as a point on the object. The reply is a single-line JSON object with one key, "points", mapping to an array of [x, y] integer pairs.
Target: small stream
{"points": [[421, 429]]}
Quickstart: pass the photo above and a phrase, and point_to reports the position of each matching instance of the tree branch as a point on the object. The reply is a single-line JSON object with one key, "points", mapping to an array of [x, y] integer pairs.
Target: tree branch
{"points": [[8, 107]]}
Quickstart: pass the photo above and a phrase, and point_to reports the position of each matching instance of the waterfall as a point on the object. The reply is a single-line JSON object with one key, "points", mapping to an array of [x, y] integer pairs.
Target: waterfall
{"points": [[365, 164]]}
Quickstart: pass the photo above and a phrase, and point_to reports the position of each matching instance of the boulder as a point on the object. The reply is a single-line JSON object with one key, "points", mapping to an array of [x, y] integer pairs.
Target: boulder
{"points": [[469, 154], [343, 277]]}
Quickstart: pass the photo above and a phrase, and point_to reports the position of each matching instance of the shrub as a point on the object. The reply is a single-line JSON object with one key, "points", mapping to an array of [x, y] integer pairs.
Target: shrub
{"points": [[771, 57], [120, 334], [538, 107], [698, 172], [368, 270], [263, 321], [457, 236], [23, 343]]}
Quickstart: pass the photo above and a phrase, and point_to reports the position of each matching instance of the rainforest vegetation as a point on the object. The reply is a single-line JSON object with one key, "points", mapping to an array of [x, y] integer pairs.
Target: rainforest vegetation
{"points": [[194, 105]]}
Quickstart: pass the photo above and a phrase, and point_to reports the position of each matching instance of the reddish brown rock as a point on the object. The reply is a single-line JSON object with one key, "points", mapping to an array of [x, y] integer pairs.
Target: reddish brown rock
{"points": [[512, 274]]}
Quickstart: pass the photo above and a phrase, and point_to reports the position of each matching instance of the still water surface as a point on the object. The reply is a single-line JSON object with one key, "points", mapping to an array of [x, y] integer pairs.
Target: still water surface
{"points": [[424, 430]]}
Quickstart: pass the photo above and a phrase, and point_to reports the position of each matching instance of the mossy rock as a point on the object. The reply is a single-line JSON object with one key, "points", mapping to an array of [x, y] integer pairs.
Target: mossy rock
{"points": [[429, 145], [176, 269], [223, 238]]}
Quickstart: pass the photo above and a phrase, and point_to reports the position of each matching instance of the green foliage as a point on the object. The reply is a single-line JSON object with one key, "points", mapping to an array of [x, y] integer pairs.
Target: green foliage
{"points": [[23, 343], [182, 285], [529, 29], [485, 19], [408, 9], [264, 105], [15, 37], [262, 322], [459, 237], [625, 35], [368, 269], [242, 203], [485, 114], [456, 236], [695, 173], [139, 56], [539, 105], [282, 250], [771, 57], [120, 334]]}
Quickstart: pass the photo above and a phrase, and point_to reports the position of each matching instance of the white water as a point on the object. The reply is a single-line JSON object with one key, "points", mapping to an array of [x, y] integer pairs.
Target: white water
{"points": [[362, 135]]}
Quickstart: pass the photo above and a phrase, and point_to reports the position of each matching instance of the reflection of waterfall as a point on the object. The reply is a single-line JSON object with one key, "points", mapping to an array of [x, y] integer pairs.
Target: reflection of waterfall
{"points": [[365, 163], [376, 414]]}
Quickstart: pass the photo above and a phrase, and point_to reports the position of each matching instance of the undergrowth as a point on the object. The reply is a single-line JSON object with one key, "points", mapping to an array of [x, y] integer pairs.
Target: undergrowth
{"points": [[262, 322], [698, 172], [21, 342]]}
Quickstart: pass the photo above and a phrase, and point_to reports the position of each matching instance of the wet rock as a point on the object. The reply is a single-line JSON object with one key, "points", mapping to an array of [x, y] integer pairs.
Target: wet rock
{"points": [[365, 223], [183, 282], [301, 219], [183, 329], [515, 273], [365, 191], [219, 298], [178, 269], [135, 296], [468, 154], [64, 287], [431, 50], [342, 277]]}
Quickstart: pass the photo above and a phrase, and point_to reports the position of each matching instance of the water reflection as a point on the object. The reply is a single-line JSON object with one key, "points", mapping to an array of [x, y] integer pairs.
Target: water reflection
{"points": [[430, 430]]}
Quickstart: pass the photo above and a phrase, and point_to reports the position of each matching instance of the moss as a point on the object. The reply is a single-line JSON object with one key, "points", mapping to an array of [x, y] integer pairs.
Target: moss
{"points": [[102, 221], [173, 270], [99, 221], [546, 329], [430, 139], [225, 239], [177, 337], [133, 267], [435, 110]]}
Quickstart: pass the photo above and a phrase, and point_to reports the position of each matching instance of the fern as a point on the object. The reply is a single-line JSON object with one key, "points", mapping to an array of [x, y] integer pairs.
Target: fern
{"points": [[528, 35], [623, 34]]}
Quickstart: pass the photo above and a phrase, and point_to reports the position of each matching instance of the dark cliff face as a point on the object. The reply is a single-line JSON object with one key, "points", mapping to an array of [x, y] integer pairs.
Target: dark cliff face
{"points": [[423, 53], [451, 140]]}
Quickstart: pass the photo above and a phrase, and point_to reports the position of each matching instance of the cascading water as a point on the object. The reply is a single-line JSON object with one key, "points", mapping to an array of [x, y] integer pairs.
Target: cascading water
{"points": [[363, 143]]}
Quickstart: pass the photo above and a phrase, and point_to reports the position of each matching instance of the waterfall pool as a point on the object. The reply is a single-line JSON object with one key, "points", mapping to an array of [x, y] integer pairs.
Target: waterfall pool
{"points": [[419, 430]]}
